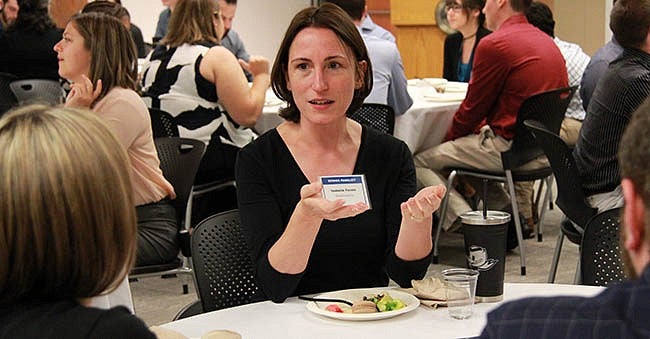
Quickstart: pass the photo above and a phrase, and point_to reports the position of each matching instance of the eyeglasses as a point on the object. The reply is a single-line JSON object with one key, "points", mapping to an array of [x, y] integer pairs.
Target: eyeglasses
{"points": [[453, 7]]}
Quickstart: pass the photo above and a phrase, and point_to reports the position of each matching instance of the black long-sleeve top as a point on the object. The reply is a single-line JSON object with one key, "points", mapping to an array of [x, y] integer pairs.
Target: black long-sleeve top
{"points": [[348, 253]]}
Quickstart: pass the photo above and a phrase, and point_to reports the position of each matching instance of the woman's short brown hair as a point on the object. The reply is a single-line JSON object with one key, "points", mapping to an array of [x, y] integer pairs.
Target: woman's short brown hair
{"points": [[67, 221], [331, 17], [191, 23], [113, 57]]}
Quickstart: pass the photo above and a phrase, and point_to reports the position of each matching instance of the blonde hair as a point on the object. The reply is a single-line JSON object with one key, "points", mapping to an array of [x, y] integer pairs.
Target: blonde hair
{"points": [[191, 23], [67, 221]]}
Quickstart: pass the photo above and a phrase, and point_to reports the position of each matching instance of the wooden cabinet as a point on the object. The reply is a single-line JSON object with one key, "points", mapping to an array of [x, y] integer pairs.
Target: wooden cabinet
{"points": [[419, 39]]}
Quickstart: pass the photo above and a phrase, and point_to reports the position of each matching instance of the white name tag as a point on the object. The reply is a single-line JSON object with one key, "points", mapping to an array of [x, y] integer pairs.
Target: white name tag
{"points": [[351, 188]]}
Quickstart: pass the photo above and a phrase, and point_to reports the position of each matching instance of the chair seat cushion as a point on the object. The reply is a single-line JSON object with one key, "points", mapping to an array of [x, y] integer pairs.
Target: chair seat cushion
{"points": [[176, 263]]}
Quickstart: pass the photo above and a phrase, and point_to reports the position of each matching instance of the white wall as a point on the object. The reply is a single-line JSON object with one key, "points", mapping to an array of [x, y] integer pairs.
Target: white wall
{"points": [[608, 9], [260, 23]]}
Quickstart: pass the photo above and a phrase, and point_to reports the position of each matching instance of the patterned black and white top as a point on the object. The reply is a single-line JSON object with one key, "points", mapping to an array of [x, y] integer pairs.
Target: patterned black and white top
{"points": [[623, 87], [172, 83]]}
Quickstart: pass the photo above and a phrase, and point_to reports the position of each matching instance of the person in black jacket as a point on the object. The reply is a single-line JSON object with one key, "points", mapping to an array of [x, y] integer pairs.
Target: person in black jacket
{"points": [[27, 44], [466, 17]]}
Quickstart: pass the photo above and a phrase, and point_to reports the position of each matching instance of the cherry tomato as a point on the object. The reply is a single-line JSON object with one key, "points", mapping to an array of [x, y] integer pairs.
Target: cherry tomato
{"points": [[334, 308]]}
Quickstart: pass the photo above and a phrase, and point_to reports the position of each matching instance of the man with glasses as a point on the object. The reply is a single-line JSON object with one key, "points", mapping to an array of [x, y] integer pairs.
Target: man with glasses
{"points": [[513, 63]]}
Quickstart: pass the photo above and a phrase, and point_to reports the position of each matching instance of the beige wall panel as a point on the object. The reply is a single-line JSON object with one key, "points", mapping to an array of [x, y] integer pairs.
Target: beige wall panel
{"points": [[421, 48], [581, 22]]}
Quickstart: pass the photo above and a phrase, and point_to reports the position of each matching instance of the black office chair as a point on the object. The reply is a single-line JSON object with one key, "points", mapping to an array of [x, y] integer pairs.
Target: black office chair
{"points": [[222, 266], [162, 124], [378, 116], [179, 161], [548, 107], [7, 98], [38, 90], [600, 253], [570, 195]]}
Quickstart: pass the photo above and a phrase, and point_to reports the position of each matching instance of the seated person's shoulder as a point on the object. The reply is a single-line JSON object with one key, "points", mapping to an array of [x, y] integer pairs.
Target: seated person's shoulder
{"points": [[119, 323]]}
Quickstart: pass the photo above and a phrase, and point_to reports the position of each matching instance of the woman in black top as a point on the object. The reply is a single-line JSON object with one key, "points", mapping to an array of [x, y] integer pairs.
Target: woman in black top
{"points": [[466, 17], [301, 242]]}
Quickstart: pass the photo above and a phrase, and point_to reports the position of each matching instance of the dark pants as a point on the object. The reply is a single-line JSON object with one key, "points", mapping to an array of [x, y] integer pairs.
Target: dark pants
{"points": [[157, 233]]}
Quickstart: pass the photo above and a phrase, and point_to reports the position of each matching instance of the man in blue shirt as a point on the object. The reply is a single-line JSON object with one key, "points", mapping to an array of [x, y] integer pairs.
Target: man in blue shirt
{"points": [[389, 84], [369, 27], [163, 20], [231, 40], [597, 67]]}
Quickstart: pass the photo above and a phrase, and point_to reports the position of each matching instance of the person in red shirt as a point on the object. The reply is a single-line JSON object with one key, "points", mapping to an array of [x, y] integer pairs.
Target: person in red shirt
{"points": [[511, 64]]}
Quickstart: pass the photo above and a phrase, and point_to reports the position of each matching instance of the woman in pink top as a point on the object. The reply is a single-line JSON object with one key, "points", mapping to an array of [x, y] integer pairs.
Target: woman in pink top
{"points": [[98, 57]]}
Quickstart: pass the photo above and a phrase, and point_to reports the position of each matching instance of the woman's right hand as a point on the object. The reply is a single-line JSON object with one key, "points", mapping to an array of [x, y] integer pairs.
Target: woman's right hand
{"points": [[316, 206], [83, 94], [256, 65]]}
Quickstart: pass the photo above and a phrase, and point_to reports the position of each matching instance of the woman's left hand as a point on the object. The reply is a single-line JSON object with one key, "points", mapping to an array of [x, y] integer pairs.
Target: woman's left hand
{"points": [[423, 204], [83, 94]]}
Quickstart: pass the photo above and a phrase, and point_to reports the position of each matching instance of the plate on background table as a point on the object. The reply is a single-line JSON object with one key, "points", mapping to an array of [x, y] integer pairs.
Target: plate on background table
{"points": [[357, 294], [272, 102], [445, 97], [456, 87]]}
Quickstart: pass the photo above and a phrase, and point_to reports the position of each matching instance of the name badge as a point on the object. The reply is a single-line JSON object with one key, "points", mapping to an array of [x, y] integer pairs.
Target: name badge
{"points": [[351, 188]]}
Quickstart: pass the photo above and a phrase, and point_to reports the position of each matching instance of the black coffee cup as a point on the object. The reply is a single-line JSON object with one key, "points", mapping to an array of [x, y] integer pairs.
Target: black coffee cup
{"points": [[485, 250]]}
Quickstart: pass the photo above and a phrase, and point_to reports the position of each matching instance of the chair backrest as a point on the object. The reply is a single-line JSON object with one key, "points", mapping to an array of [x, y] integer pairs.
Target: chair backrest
{"points": [[7, 97], [35, 90], [548, 108], [222, 266], [570, 196], [179, 162], [600, 252], [378, 116], [162, 124]]}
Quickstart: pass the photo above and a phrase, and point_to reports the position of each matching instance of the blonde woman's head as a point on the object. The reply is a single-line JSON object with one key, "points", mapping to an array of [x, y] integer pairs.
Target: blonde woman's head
{"points": [[67, 221]]}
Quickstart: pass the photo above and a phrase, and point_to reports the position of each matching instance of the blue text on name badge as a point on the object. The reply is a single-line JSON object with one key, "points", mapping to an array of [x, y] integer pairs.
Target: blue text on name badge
{"points": [[342, 180]]}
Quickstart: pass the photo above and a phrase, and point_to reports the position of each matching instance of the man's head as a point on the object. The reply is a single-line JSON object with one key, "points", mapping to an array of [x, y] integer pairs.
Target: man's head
{"points": [[356, 9], [498, 11], [633, 158], [540, 16], [9, 12], [228, 9], [629, 21]]}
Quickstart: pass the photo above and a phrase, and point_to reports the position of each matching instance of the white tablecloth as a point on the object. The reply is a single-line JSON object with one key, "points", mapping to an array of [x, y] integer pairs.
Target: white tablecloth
{"points": [[291, 319], [422, 126]]}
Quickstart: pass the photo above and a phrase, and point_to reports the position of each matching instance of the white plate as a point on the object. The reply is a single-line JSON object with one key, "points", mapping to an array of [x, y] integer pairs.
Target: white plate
{"points": [[435, 81], [445, 97], [273, 102], [357, 294], [456, 87]]}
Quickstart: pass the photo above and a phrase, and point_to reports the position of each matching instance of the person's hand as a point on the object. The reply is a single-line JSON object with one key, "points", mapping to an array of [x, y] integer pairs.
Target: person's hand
{"points": [[316, 206], [256, 65], [82, 94], [423, 204]]}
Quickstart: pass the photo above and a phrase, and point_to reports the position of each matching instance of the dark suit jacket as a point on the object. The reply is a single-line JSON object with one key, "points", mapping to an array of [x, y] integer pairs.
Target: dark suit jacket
{"points": [[452, 53], [621, 311]]}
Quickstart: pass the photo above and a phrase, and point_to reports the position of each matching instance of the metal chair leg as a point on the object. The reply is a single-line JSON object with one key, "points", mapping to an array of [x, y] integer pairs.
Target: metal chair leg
{"points": [[515, 212], [441, 216], [542, 213], [577, 278], [556, 257]]}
